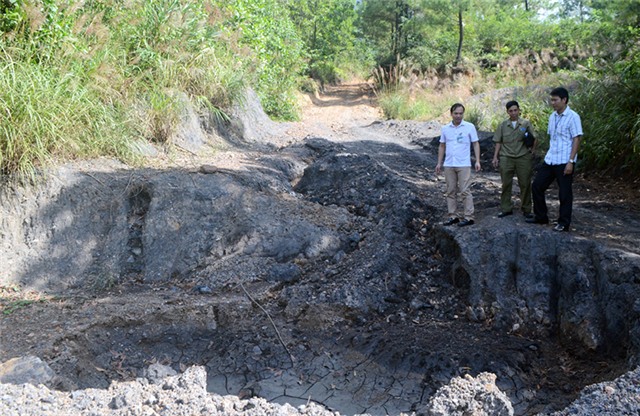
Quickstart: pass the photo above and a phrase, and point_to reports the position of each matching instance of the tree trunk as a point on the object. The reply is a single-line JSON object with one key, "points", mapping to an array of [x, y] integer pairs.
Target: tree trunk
{"points": [[397, 29], [461, 31]]}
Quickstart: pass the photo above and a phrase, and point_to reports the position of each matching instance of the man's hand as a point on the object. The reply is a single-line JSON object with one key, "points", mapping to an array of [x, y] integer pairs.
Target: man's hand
{"points": [[438, 168], [478, 167], [568, 168], [495, 162]]}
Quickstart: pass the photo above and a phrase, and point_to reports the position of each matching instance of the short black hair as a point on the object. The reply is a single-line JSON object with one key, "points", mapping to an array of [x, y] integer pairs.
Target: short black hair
{"points": [[560, 92], [512, 103], [455, 106]]}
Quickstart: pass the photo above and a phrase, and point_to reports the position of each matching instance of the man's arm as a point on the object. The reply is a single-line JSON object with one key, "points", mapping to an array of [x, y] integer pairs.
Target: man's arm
{"points": [[476, 151], [495, 155], [497, 139], [441, 150], [575, 146]]}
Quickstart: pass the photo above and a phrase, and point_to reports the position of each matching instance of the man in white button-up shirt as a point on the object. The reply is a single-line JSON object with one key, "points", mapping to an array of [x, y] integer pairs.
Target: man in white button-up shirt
{"points": [[565, 133]]}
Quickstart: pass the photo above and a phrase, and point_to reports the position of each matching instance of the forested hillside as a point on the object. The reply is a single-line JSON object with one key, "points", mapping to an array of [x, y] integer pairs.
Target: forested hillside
{"points": [[82, 79]]}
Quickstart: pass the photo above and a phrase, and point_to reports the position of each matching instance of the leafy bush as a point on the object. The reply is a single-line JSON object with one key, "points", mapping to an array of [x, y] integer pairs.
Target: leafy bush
{"points": [[264, 27], [611, 119], [475, 116], [11, 15], [328, 31]]}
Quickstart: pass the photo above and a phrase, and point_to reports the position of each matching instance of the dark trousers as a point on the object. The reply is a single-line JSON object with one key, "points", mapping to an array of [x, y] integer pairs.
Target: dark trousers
{"points": [[544, 177]]}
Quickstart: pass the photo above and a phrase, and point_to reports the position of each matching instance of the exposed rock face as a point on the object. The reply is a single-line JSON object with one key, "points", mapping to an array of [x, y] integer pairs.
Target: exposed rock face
{"points": [[22, 370], [160, 224], [531, 280]]}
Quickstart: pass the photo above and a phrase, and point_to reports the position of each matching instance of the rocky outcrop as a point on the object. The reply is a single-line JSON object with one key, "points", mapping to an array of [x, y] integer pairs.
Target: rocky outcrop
{"points": [[183, 394], [467, 395], [22, 370], [617, 397], [93, 229], [532, 280]]}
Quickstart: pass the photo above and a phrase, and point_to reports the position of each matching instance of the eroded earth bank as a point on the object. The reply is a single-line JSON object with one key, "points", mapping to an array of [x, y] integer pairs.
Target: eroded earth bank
{"points": [[301, 268]]}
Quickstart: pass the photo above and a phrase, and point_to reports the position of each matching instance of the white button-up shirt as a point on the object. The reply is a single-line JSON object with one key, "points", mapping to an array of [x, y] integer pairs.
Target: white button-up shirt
{"points": [[563, 128]]}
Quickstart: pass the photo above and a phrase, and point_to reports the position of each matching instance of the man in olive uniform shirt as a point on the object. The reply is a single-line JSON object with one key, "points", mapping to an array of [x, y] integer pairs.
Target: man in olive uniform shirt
{"points": [[513, 156]]}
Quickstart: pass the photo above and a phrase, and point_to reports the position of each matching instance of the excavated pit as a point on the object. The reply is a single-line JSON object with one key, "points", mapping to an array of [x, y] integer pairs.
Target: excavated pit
{"points": [[341, 289], [347, 361]]}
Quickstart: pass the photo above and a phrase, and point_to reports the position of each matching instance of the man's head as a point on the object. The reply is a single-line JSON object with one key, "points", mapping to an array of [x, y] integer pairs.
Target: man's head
{"points": [[513, 109], [559, 99], [457, 113]]}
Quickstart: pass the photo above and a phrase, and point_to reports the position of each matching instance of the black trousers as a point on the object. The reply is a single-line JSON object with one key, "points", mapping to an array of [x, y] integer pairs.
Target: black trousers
{"points": [[544, 177]]}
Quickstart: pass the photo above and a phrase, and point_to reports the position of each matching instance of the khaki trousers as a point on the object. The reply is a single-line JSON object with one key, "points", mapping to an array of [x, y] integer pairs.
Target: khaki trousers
{"points": [[458, 181], [522, 167]]}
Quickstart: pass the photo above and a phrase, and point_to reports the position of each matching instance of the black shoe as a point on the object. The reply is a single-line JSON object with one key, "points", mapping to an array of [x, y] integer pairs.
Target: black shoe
{"points": [[561, 227], [451, 221], [534, 220], [528, 215], [464, 223], [504, 214]]}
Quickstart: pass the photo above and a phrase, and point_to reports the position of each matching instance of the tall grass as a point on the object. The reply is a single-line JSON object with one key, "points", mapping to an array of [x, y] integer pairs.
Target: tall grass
{"points": [[401, 93], [85, 79], [45, 114], [427, 104], [399, 105]]}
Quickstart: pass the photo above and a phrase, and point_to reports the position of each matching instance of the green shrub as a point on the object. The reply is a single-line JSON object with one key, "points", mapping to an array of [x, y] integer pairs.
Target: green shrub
{"points": [[402, 105], [475, 116], [391, 103], [264, 27], [610, 113]]}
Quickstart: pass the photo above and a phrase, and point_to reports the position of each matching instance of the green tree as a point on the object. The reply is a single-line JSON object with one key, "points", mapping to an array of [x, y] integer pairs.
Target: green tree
{"points": [[460, 6], [575, 9], [417, 29], [266, 28], [619, 17], [383, 26], [328, 30]]}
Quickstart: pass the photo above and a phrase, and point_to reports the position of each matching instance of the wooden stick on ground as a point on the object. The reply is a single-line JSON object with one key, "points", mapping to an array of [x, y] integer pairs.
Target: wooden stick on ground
{"points": [[291, 357]]}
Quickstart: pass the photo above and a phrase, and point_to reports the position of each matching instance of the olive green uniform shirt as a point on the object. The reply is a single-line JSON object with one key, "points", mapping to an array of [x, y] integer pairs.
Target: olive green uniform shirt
{"points": [[512, 138]]}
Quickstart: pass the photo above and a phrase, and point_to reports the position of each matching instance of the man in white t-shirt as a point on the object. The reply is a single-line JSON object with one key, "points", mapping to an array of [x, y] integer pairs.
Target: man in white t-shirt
{"points": [[456, 139], [565, 133]]}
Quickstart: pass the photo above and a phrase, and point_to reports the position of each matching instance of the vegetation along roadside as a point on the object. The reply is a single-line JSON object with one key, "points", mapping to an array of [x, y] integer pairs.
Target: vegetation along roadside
{"points": [[82, 79]]}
